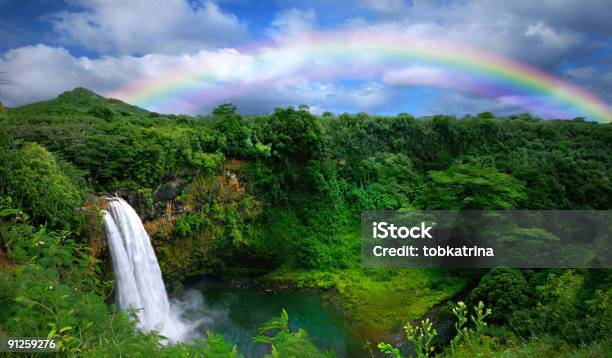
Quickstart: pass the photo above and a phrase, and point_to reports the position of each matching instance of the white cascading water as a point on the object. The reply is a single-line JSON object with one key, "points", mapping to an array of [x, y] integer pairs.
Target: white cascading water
{"points": [[139, 280]]}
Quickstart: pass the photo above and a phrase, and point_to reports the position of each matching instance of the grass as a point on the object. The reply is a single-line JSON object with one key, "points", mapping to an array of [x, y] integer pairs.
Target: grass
{"points": [[546, 346], [378, 301]]}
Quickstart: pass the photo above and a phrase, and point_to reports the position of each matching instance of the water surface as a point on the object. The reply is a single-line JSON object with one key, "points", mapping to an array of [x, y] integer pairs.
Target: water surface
{"points": [[237, 313]]}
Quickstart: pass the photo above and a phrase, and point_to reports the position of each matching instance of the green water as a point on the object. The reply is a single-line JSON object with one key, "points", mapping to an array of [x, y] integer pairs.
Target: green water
{"points": [[238, 312]]}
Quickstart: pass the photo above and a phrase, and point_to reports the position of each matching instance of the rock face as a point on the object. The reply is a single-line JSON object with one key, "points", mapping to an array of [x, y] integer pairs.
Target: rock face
{"points": [[154, 208], [193, 224], [164, 202], [153, 205]]}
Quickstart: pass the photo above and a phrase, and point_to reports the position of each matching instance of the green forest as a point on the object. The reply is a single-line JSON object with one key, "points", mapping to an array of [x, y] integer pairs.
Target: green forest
{"points": [[275, 200]]}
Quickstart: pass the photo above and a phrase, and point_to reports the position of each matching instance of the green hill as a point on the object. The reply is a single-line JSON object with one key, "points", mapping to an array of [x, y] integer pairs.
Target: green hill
{"points": [[81, 100]]}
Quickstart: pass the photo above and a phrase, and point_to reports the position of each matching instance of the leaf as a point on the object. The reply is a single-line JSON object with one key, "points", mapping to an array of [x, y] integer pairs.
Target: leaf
{"points": [[9, 212]]}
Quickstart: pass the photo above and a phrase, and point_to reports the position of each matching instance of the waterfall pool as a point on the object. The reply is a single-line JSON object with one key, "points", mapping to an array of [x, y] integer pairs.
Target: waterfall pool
{"points": [[212, 306], [237, 313]]}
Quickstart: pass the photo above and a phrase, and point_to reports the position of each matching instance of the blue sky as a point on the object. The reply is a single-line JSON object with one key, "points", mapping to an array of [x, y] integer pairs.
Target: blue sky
{"points": [[49, 46]]}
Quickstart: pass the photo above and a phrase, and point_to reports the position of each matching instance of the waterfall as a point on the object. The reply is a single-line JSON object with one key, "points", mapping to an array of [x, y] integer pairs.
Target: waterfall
{"points": [[139, 282]]}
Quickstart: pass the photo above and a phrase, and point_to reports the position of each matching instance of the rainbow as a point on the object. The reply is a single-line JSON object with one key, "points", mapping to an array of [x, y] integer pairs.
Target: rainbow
{"points": [[215, 76]]}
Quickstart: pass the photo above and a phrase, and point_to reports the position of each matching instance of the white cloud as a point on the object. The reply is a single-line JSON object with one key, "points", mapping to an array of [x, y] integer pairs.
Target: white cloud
{"points": [[542, 33], [293, 21], [550, 37], [257, 81], [238, 78], [41, 72], [366, 96], [140, 27], [415, 75], [172, 33], [319, 96]]}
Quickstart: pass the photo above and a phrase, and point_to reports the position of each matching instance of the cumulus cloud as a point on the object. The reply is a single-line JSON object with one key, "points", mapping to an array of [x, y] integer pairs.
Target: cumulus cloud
{"points": [[41, 72], [319, 96], [141, 27], [542, 33], [552, 38], [293, 21], [416, 75], [141, 39], [560, 37], [238, 77]]}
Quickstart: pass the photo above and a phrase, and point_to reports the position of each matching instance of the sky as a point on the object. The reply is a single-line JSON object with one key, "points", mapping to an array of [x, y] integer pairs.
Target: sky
{"points": [[249, 53]]}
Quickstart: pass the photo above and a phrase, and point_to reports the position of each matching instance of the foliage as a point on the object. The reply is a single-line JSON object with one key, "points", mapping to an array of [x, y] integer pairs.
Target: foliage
{"points": [[466, 339], [564, 306], [49, 189], [292, 135], [422, 336], [377, 300], [281, 192], [286, 343], [468, 187], [504, 289]]}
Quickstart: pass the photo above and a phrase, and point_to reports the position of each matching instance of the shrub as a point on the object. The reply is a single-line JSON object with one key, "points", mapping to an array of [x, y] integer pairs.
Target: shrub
{"points": [[49, 189], [286, 343], [504, 290]]}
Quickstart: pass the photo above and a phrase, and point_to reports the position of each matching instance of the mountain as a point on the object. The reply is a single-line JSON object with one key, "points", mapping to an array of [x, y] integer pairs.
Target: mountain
{"points": [[81, 100]]}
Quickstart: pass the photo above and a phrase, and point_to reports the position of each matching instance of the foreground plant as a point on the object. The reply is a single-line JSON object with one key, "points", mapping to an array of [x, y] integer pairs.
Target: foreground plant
{"points": [[286, 343], [467, 337], [421, 336]]}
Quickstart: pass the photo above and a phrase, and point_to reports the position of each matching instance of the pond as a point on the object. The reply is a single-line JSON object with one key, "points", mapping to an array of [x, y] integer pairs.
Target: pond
{"points": [[237, 313]]}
